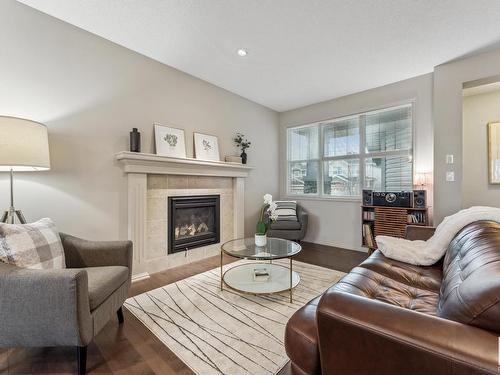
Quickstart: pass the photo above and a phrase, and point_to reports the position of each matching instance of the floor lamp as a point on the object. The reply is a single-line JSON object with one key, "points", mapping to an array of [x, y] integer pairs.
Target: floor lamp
{"points": [[24, 147]]}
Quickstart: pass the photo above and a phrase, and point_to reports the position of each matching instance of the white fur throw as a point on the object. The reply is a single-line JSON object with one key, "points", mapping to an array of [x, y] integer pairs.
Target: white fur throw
{"points": [[426, 253], [36, 245]]}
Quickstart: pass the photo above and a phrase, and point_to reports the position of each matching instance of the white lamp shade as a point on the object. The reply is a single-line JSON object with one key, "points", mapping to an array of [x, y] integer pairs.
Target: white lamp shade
{"points": [[24, 145]]}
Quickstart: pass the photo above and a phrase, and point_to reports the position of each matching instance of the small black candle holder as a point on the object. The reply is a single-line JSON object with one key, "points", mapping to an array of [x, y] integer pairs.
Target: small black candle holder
{"points": [[135, 140]]}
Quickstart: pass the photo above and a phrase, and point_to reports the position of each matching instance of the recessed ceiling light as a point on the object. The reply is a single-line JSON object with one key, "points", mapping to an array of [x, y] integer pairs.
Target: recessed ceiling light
{"points": [[242, 52]]}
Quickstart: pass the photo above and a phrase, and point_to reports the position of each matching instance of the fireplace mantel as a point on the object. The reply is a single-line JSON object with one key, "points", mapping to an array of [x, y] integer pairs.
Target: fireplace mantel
{"points": [[134, 162], [138, 166]]}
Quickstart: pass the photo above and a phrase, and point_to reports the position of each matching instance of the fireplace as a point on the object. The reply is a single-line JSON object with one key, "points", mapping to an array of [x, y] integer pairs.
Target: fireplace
{"points": [[193, 221]]}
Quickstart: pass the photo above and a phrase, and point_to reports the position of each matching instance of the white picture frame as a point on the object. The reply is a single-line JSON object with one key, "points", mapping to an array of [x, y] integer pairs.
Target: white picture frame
{"points": [[494, 152], [170, 141], [206, 147]]}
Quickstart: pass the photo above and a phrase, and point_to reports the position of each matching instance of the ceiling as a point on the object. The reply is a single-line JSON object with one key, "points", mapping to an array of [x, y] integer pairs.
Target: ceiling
{"points": [[299, 52]]}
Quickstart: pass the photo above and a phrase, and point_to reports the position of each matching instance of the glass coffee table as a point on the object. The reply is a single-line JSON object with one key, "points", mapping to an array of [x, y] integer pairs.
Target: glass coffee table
{"points": [[264, 277]]}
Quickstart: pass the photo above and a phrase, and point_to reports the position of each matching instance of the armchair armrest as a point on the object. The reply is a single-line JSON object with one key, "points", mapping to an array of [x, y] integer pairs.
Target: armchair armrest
{"points": [[303, 218], [419, 232], [44, 307], [83, 253], [393, 340]]}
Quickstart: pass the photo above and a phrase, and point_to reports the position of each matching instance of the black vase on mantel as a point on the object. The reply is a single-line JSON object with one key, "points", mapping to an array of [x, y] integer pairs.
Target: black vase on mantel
{"points": [[135, 140], [244, 157]]}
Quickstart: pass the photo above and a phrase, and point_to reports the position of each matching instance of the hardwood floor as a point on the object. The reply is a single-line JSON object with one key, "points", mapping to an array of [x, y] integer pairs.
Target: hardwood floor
{"points": [[131, 348]]}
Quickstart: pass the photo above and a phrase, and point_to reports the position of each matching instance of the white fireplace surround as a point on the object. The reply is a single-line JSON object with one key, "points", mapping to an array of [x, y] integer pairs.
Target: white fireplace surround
{"points": [[138, 166]]}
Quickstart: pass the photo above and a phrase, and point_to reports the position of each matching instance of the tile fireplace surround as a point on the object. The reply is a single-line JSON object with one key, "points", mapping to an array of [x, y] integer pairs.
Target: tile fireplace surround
{"points": [[151, 179]]}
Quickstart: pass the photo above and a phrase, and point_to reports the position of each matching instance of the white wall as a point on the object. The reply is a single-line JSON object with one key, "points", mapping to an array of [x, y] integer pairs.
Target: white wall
{"points": [[337, 222], [449, 80], [478, 110], [90, 93]]}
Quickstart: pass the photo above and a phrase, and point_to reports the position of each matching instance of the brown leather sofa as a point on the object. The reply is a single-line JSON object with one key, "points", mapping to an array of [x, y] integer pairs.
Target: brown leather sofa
{"points": [[387, 317]]}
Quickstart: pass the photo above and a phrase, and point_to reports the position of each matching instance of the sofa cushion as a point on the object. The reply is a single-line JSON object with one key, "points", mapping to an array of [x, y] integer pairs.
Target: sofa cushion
{"points": [[286, 210], [103, 281], [36, 245], [470, 292], [301, 338], [286, 225], [428, 278], [369, 284]]}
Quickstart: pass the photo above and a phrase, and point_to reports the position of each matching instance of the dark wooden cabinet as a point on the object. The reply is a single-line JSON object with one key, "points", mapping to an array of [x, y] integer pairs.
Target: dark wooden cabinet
{"points": [[391, 221]]}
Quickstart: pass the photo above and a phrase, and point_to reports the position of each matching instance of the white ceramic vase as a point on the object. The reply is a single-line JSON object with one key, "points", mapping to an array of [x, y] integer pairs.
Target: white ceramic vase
{"points": [[260, 240]]}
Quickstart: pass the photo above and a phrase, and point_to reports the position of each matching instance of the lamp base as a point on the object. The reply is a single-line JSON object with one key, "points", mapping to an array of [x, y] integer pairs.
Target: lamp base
{"points": [[9, 216]]}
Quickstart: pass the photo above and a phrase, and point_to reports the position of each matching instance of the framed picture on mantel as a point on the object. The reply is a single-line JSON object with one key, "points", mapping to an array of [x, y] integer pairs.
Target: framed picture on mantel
{"points": [[206, 147], [170, 141], [494, 152]]}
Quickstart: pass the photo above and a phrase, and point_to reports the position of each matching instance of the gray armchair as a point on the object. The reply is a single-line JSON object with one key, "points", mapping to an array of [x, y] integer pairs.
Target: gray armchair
{"points": [[290, 230], [65, 307]]}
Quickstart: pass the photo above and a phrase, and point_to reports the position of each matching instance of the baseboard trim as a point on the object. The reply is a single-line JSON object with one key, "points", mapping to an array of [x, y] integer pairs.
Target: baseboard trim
{"points": [[140, 276]]}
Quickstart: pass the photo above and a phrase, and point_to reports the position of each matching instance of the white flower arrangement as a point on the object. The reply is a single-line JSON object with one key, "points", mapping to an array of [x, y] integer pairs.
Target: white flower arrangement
{"points": [[268, 199], [271, 210], [262, 227]]}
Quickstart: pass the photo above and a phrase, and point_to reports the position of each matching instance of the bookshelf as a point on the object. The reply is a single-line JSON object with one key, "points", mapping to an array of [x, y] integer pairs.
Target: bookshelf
{"points": [[392, 221]]}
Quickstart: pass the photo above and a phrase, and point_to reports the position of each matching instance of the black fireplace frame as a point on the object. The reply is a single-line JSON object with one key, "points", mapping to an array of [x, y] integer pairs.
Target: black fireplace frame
{"points": [[175, 246]]}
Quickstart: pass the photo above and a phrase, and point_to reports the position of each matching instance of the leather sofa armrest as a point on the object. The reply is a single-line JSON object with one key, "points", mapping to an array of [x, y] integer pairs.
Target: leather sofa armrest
{"points": [[81, 253], [358, 335], [44, 307], [419, 232]]}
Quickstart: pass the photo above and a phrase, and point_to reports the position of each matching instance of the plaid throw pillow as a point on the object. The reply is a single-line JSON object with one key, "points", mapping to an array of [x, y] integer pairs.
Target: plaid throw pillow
{"points": [[286, 210], [36, 245]]}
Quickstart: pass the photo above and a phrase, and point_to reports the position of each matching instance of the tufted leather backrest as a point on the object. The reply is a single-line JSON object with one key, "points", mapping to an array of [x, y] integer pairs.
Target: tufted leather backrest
{"points": [[470, 289]]}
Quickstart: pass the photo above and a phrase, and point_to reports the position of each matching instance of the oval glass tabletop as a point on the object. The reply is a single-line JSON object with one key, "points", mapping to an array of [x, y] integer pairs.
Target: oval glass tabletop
{"points": [[275, 248]]}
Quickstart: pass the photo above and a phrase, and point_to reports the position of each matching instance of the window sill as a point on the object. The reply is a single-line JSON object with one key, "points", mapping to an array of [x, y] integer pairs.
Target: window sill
{"points": [[321, 198]]}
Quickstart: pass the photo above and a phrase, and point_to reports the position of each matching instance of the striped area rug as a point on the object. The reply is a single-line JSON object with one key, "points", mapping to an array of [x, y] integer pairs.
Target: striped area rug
{"points": [[216, 332]]}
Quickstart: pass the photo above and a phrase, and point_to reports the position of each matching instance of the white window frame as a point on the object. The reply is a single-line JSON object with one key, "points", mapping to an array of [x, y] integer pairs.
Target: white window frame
{"points": [[288, 161], [361, 155]]}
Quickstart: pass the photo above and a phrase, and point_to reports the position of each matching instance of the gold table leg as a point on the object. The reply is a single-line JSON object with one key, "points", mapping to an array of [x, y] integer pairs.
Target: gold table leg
{"points": [[221, 270], [291, 274]]}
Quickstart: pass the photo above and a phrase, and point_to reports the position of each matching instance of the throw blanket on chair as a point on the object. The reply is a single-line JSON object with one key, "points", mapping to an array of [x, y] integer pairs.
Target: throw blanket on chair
{"points": [[426, 253]]}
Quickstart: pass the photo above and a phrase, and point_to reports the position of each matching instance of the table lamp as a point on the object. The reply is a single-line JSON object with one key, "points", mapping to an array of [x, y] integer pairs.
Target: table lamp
{"points": [[24, 147]]}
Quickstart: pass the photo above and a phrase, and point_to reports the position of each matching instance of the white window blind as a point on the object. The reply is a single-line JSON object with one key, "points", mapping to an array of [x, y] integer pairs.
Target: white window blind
{"points": [[340, 157]]}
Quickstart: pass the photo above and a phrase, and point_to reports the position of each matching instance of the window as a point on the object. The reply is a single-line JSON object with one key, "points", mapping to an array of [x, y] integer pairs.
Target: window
{"points": [[340, 157], [303, 157]]}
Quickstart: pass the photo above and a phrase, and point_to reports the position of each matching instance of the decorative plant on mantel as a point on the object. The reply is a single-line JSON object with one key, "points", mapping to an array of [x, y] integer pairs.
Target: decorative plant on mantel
{"points": [[243, 143], [263, 224]]}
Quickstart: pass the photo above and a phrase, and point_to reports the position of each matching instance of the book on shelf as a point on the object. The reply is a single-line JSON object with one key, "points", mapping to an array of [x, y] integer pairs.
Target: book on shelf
{"points": [[368, 236], [416, 218], [368, 215]]}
